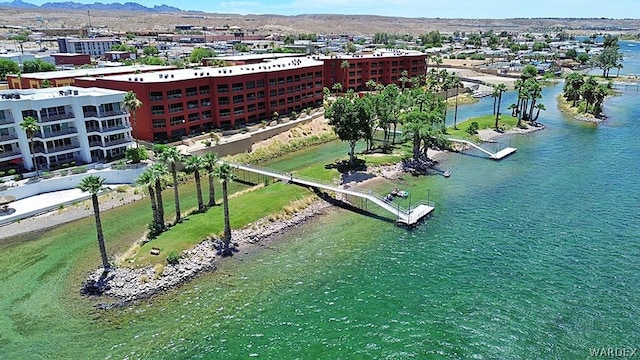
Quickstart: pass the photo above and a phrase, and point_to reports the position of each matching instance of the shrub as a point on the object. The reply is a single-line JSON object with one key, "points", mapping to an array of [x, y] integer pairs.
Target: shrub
{"points": [[477, 57], [79, 170], [173, 258], [12, 171], [158, 148], [135, 155], [3, 173], [122, 189], [17, 177], [293, 115], [472, 129], [207, 143]]}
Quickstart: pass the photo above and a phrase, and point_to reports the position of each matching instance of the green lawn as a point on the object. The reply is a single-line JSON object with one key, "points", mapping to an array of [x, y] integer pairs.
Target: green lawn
{"points": [[243, 210], [506, 122]]}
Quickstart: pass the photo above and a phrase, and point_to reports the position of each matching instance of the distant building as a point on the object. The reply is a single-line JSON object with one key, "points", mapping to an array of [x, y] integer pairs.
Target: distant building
{"points": [[75, 124], [177, 103], [91, 46], [119, 55], [67, 77], [71, 59]]}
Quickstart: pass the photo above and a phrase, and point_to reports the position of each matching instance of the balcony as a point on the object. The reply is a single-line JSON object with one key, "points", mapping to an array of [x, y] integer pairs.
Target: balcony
{"points": [[55, 149], [9, 137], [155, 98], [106, 144], [176, 110], [105, 114], [65, 116], [105, 129], [10, 154], [6, 121], [174, 96], [52, 134], [88, 114]]}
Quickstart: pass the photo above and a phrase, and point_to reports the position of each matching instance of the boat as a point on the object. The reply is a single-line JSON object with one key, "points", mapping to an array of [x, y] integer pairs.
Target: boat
{"points": [[447, 173]]}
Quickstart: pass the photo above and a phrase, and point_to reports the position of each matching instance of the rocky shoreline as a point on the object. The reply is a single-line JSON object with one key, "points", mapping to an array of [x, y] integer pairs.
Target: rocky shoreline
{"points": [[122, 286]]}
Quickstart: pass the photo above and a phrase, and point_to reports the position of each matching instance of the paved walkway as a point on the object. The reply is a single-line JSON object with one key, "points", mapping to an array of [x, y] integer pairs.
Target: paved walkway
{"points": [[51, 209]]}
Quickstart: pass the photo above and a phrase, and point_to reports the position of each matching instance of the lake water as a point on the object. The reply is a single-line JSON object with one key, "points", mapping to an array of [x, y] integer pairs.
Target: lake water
{"points": [[532, 257]]}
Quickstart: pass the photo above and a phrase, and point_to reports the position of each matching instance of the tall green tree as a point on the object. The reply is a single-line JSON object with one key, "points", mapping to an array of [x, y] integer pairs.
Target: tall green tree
{"points": [[348, 118], [225, 174], [93, 185], [148, 179], [211, 163], [30, 126], [159, 170], [132, 104], [499, 89], [199, 53], [171, 156], [8, 67], [194, 165]]}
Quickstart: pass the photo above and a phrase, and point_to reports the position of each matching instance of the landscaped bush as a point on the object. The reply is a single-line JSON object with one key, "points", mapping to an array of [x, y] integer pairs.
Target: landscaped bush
{"points": [[79, 170], [135, 155], [173, 258], [477, 57], [473, 128], [12, 171]]}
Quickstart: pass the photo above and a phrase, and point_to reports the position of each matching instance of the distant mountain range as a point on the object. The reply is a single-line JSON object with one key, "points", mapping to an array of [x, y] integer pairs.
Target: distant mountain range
{"points": [[70, 5]]}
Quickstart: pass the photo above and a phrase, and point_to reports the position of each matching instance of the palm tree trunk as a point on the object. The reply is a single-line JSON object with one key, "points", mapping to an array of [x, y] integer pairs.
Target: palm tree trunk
{"points": [[227, 224], [103, 249], [199, 190], [160, 204], [154, 208], [455, 114], [33, 155], [176, 195], [212, 191], [498, 109]]}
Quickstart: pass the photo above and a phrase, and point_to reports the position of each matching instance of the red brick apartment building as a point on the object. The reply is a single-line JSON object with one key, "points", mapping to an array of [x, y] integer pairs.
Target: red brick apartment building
{"points": [[176, 103], [383, 67]]}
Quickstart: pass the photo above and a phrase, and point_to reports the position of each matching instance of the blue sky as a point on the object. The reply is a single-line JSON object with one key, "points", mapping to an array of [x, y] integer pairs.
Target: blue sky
{"points": [[410, 8]]}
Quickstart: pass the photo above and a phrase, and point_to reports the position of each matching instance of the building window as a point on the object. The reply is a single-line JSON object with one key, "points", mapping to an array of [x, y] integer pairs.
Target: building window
{"points": [[250, 85], [238, 110], [174, 108], [177, 120], [225, 113], [223, 88], [192, 91], [159, 123], [237, 87], [193, 104], [157, 110], [238, 99], [204, 90], [174, 94], [260, 83]]}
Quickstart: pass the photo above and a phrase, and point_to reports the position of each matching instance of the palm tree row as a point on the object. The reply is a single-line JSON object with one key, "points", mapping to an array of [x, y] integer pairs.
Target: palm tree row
{"points": [[578, 88], [529, 92], [152, 179]]}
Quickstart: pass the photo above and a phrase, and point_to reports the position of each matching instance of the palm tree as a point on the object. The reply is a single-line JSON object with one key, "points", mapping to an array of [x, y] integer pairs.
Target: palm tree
{"points": [[30, 126], [344, 65], [147, 179], [159, 170], [193, 165], [456, 84], [132, 104], [94, 184], [211, 163], [225, 174], [171, 156], [500, 88]]}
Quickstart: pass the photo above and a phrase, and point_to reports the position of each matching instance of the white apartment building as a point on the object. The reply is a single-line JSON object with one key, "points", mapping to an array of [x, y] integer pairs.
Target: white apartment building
{"points": [[91, 46], [84, 125]]}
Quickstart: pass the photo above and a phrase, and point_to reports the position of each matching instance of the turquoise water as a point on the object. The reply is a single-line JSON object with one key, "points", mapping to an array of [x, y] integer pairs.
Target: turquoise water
{"points": [[533, 257]]}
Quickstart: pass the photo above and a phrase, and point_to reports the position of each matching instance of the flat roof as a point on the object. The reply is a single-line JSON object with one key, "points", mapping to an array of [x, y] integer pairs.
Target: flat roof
{"points": [[93, 72], [256, 56], [205, 71], [375, 54], [55, 92]]}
